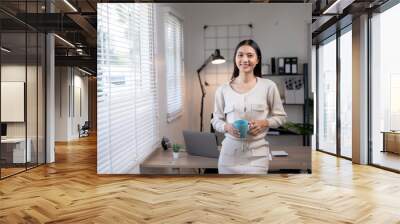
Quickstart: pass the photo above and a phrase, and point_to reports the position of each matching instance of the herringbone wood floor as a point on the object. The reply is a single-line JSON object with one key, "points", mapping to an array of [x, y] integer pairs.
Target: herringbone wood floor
{"points": [[70, 191]]}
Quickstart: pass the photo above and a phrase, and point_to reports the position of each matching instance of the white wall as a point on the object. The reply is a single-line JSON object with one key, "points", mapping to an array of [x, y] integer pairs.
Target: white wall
{"points": [[279, 29], [69, 81], [33, 127], [16, 72]]}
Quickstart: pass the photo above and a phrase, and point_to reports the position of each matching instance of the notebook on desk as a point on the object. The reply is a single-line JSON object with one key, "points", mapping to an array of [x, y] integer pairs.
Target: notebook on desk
{"points": [[279, 153]]}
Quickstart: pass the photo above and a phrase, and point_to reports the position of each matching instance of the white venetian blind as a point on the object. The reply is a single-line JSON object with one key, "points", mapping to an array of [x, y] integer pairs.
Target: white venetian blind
{"points": [[174, 65], [127, 97]]}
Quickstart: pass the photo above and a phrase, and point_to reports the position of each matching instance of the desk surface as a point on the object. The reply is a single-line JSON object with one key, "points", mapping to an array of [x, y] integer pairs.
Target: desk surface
{"points": [[299, 158], [13, 140], [391, 132], [164, 159]]}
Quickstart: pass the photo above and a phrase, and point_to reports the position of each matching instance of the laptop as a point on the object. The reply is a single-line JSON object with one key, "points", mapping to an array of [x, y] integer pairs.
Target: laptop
{"points": [[201, 144]]}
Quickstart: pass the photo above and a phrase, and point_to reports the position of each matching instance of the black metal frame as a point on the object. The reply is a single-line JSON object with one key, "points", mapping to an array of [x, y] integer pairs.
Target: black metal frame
{"points": [[338, 98], [36, 164], [369, 90], [306, 108]]}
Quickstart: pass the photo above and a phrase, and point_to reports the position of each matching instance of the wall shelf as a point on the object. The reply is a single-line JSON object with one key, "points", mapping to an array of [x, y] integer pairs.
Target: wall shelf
{"points": [[305, 106], [280, 75], [284, 134]]}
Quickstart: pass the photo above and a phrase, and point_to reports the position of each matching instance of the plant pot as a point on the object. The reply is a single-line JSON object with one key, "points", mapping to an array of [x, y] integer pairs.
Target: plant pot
{"points": [[175, 155]]}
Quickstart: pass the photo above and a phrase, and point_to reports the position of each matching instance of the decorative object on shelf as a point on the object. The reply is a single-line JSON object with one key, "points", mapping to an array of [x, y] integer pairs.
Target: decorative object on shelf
{"points": [[288, 65], [281, 65], [165, 143], [214, 58], [294, 90], [293, 63], [175, 150], [273, 66]]}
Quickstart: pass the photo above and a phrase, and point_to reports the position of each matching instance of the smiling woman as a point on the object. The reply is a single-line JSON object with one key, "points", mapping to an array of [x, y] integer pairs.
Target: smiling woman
{"points": [[249, 98]]}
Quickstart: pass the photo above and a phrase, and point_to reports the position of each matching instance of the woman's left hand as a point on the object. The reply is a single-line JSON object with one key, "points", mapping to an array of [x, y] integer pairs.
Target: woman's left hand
{"points": [[257, 126]]}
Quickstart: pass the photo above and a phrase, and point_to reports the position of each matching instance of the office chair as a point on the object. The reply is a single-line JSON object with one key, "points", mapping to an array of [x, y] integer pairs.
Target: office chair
{"points": [[84, 130]]}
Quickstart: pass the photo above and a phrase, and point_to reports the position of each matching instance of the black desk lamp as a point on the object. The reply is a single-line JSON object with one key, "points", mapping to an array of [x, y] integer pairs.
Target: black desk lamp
{"points": [[215, 59]]}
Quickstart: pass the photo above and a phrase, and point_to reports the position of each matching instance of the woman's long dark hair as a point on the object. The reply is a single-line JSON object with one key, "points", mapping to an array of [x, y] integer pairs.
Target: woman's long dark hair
{"points": [[254, 45]]}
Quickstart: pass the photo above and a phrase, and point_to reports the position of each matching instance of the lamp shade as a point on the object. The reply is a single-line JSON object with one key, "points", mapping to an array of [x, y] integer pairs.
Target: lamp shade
{"points": [[217, 58]]}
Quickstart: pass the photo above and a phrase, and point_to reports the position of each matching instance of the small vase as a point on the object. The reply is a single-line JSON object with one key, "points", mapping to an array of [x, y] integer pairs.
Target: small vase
{"points": [[175, 155]]}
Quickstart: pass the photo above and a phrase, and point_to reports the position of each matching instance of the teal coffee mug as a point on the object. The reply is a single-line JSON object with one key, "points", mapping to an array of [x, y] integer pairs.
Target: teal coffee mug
{"points": [[242, 126]]}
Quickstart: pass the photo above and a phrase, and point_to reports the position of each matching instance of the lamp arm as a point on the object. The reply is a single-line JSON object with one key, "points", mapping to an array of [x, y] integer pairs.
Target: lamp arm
{"points": [[203, 91], [206, 62], [203, 95]]}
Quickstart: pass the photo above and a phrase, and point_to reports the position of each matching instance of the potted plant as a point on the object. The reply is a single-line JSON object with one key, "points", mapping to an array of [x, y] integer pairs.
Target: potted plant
{"points": [[175, 150], [299, 128]]}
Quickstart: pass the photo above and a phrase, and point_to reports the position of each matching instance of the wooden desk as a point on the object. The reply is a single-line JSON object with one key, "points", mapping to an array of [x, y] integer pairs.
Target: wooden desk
{"points": [[299, 158], [13, 150], [164, 159], [391, 141]]}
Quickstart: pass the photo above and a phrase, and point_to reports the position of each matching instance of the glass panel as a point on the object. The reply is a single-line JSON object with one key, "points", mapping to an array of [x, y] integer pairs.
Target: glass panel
{"points": [[23, 90], [385, 89], [327, 97], [13, 77], [41, 99], [346, 94], [31, 97]]}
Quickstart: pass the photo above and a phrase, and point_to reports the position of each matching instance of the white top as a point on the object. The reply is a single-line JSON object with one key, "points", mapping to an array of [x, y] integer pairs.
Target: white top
{"points": [[261, 102]]}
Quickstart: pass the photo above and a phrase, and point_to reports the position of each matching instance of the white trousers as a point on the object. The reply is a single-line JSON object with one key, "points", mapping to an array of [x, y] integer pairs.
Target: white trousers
{"points": [[244, 157]]}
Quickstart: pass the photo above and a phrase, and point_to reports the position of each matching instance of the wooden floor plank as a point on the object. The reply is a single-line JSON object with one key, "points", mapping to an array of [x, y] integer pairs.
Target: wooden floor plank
{"points": [[70, 191]]}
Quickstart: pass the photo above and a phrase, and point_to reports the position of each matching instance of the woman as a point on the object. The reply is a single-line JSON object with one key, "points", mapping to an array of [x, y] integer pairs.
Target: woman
{"points": [[247, 96]]}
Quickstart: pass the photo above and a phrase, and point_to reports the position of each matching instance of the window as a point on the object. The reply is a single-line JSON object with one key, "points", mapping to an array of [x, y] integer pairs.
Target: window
{"points": [[346, 93], [327, 96], [174, 65], [385, 85], [127, 96]]}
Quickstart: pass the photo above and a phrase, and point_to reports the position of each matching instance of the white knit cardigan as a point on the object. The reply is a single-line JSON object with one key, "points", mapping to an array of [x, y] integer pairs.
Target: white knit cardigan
{"points": [[260, 103]]}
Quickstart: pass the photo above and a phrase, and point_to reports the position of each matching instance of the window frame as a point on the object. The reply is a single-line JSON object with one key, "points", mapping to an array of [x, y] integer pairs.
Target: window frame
{"points": [[328, 38]]}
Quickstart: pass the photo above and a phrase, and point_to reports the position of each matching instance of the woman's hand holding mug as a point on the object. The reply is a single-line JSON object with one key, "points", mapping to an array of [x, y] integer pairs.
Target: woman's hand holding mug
{"points": [[232, 130], [257, 126]]}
